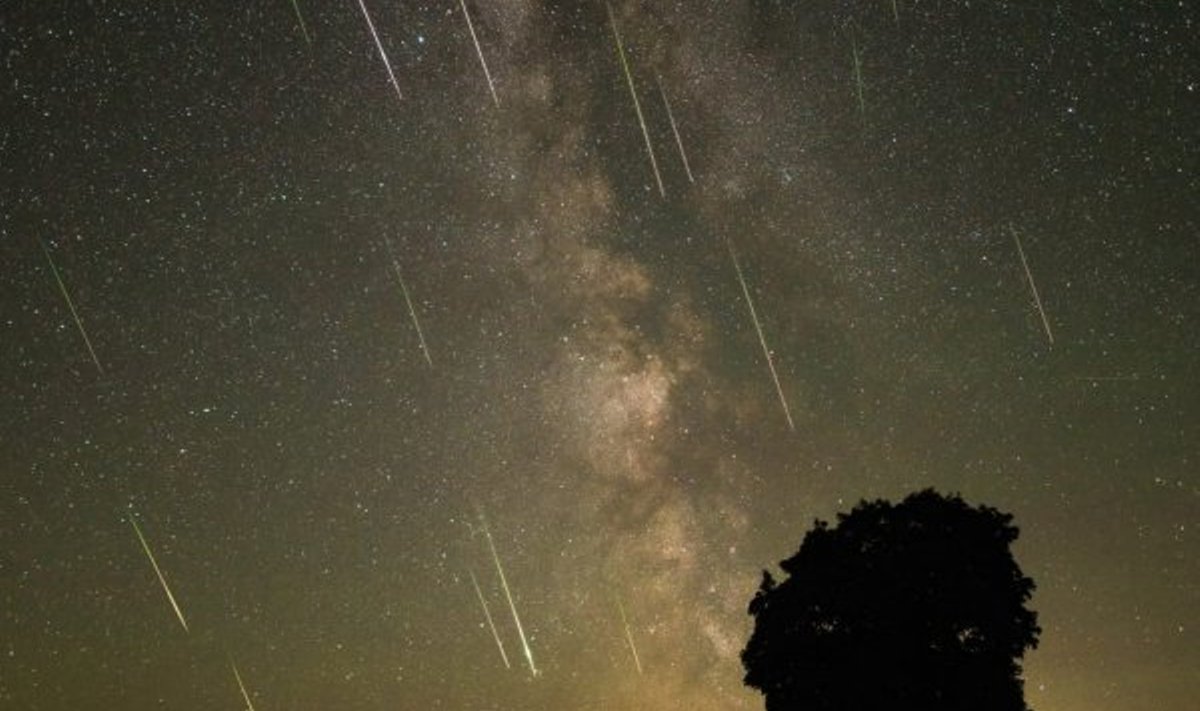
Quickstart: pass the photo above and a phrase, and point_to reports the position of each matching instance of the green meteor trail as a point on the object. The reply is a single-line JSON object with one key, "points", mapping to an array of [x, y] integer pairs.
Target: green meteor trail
{"points": [[241, 686], [387, 64], [488, 616], [300, 19], [511, 605], [412, 311], [675, 130], [71, 305], [637, 661], [158, 571], [637, 106], [1037, 300], [479, 50], [858, 79], [787, 411]]}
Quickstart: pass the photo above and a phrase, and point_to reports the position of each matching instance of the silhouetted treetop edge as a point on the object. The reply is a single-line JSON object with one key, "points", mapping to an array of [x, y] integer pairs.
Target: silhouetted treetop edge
{"points": [[918, 604]]}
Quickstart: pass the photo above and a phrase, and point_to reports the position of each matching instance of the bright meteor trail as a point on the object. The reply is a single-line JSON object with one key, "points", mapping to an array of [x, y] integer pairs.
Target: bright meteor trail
{"points": [[787, 412], [488, 616], [379, 45], [511, 605], [637, 106], [71, 305], [157, 571], [675, 130], [412, 311], [487, 74], [637, 661], [241, 686], [1032, 287]]}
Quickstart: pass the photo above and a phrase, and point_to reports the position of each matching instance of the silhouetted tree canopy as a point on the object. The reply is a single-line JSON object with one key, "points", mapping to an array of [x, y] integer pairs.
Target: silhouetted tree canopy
{"points": [[917, 605]]}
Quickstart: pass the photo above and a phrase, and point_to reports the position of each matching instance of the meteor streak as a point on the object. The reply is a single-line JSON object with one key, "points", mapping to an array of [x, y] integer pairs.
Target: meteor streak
{"points": [[1032, 287], [511, 605], [157, 571], [629, 636], [482, 61], [71, 305], [382, 54], [488, 616], [411, 310], [300, 19], [637, 106], [787, 412], [858, 78], [241, 686], [675, 130]]}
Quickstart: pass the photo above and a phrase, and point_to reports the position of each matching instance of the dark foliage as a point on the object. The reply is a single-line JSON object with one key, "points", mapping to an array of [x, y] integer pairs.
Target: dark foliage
{"points": [[917, 605]]}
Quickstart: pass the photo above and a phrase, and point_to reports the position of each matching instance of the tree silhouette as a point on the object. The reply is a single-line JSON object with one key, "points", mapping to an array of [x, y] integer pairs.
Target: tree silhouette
{"points": [[917, 605]]}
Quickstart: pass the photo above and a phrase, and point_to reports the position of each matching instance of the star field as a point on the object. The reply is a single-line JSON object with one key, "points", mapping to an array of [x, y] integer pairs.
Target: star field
{"points": [[217, 193]]}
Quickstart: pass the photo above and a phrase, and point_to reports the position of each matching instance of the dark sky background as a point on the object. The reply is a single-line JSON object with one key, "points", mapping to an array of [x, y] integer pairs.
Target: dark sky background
{"points": [[215, 193]]}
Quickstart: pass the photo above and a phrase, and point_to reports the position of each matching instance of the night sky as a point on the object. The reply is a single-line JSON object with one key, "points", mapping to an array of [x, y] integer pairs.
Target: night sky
{"points": [[218, 194]]}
